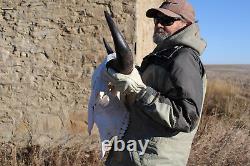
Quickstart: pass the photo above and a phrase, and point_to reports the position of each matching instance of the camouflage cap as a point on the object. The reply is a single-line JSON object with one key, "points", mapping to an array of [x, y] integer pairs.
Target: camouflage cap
{"points": [[174, 8]]}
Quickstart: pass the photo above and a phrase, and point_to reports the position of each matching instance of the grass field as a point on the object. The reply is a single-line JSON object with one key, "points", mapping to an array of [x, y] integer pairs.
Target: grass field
{"points": [[222, 138]]}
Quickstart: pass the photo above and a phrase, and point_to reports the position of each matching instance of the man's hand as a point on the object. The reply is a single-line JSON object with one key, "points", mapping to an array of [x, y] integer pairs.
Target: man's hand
{"points": [[127, 84]]}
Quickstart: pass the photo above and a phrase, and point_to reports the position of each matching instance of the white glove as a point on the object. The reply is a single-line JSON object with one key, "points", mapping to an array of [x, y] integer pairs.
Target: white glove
{"points": [[126, 84]]}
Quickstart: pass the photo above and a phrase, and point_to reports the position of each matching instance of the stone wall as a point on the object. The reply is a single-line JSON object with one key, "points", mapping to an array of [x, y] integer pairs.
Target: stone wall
{"points": [[144, 28], [48, 50]]}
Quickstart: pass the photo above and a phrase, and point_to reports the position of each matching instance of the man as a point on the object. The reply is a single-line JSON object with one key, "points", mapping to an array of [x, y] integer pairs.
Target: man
{"points": [[165, 100]]}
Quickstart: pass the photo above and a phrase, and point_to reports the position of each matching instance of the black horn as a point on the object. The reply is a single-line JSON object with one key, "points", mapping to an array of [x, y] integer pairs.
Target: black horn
{"points": [[125, 62], [107, 46]]}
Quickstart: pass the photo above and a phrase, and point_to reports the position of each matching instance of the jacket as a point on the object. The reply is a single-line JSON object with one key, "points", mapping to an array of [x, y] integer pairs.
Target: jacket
{"points": [[168, 111]]}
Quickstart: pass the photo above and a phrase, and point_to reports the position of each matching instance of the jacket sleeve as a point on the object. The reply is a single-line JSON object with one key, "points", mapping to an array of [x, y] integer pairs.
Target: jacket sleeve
{"points": [[180, 109]]}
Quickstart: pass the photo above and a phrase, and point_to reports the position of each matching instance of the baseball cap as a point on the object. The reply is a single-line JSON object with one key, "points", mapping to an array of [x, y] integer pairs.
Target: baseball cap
{"points": [[174, 8]]}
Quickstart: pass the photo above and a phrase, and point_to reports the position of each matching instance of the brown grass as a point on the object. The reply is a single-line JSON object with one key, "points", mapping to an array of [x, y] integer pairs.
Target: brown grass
{"points": [[223, 100], [223, 135], [36, 155], [222, 138]]}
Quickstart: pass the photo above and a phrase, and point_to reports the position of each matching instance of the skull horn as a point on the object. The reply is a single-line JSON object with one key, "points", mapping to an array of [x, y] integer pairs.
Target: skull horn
{"points": [[107, 46], [125, 62]]}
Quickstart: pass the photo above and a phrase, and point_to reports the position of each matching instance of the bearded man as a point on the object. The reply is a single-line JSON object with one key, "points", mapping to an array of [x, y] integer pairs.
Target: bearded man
{"points": [[165, 95]]}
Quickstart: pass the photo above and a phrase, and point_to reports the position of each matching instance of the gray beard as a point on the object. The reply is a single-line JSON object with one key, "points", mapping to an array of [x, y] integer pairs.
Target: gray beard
{"points": [[159, 36]]}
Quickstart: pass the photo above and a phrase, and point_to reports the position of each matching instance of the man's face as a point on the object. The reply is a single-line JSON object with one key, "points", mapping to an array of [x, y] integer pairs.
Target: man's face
{"points": [[165, 27]]}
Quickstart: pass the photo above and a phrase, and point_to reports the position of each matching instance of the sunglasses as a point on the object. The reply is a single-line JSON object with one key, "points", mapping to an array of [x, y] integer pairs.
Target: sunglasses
{"points": [[165, 21]]}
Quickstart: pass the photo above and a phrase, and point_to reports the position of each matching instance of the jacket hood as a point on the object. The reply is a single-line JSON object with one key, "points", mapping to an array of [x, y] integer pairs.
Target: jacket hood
{"points": [[189, 36]]}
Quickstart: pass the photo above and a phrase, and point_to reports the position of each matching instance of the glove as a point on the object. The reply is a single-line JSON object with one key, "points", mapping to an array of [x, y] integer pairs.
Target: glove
{"points": [[127, 84]]}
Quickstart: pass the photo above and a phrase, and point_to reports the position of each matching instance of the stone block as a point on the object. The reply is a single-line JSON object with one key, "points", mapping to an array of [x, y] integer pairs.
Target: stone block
{"points": [[6, 128], [47, 124]]}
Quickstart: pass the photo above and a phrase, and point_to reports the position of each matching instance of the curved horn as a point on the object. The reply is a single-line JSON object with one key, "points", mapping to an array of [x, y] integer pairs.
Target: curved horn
{"points": [[123, 52], [107, 46]]}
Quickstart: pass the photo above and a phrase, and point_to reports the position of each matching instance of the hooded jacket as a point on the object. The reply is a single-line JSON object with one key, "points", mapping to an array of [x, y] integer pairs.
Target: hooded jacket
{"points": [[168, 111]]}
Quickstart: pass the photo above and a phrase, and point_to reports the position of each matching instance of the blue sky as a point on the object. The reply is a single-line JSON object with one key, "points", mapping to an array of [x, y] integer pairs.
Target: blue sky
{"points": [[225, 26]]}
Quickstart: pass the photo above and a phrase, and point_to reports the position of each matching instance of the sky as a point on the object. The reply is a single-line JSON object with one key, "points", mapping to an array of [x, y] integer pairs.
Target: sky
{"points": [[225, 25]]}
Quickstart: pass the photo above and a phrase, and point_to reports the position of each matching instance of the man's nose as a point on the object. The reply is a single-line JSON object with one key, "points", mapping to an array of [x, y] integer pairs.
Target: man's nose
{"points": [[158, 25]]}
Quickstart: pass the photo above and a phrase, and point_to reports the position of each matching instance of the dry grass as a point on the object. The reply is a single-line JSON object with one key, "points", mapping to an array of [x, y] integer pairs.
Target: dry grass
{"points": [[223, 135], [36, 156], [222, 138], [224, 99]]}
